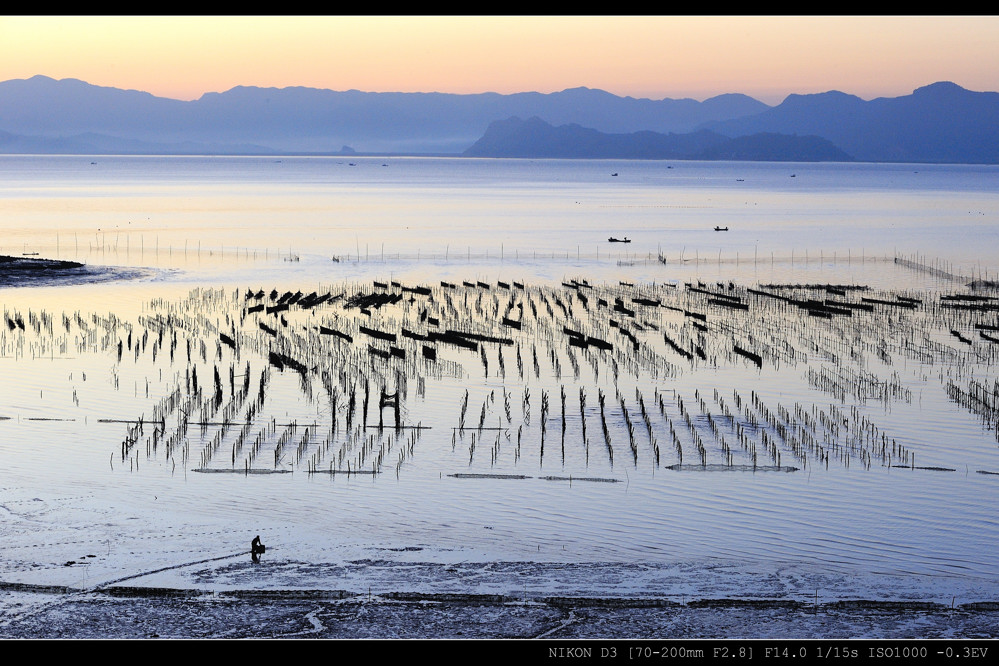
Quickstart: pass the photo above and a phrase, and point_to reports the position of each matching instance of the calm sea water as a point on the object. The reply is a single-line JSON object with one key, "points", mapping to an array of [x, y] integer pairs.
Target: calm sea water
{"points": [[187, 213], [193, 234]]}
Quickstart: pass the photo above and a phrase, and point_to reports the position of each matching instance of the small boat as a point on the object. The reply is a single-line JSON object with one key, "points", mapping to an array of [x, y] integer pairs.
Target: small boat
{"points": [[721, 228], [618, 240]]}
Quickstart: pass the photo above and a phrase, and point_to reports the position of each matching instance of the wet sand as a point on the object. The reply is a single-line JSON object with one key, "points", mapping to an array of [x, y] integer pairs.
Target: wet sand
{"points": [[406, 598], [130, 613], [32, 271]]}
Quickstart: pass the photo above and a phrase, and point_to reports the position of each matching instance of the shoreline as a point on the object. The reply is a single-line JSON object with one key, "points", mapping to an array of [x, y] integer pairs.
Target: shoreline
{"points": [[410, 594], [131, 613], [32, 271]]}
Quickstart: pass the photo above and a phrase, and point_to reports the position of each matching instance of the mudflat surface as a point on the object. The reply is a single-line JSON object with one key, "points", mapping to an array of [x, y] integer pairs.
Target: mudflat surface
{"points": [[32, 271], [128, 612]]}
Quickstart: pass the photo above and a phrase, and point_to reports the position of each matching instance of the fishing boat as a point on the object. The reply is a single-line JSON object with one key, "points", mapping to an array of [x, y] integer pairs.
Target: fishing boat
{"points": [[721, 228], [618, 240]]}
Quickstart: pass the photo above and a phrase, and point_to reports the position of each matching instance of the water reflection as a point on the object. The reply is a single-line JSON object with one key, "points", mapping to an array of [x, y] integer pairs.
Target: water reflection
{"points": [[858, 405]]}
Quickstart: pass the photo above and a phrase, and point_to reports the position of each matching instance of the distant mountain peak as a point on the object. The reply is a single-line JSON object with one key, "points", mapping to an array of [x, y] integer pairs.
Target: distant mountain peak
{"points": [[535, 138], [837, 95], [941, 122], [940, 87]]}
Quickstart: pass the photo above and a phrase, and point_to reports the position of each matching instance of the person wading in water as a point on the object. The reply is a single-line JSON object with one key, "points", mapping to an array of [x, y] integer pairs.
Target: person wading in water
{"points": [[257, 549]]}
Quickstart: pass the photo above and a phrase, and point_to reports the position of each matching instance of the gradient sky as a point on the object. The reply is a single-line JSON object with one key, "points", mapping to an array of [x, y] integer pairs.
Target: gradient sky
{"points": [[655, 57]]}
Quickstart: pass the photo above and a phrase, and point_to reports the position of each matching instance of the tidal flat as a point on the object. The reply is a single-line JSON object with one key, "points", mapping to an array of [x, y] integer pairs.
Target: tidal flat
{"points": [[580, 391]]}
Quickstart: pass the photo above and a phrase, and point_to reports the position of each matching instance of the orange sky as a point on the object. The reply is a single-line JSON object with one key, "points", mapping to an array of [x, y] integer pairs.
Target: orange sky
{"points": [[652, 56]]}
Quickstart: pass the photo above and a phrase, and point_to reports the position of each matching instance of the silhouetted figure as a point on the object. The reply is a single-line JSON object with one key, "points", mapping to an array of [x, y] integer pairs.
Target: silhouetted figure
{"points": [[257, 549]]}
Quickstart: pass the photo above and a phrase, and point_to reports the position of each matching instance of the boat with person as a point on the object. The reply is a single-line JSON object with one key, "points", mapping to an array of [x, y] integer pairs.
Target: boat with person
{"points": [[618, 240]]}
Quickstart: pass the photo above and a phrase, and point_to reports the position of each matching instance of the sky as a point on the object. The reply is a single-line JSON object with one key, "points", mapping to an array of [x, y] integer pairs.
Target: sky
{"points": [[655, 57]]}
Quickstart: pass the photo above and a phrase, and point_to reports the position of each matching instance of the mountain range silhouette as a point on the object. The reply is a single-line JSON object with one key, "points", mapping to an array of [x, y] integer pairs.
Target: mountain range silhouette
{"points": [[941, 122]]}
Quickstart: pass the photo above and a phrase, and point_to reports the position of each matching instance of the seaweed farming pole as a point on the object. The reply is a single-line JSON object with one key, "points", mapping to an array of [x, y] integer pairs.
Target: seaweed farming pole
{"points": [[917, 265], [563, 424], [544, 421], [603, 421]]}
